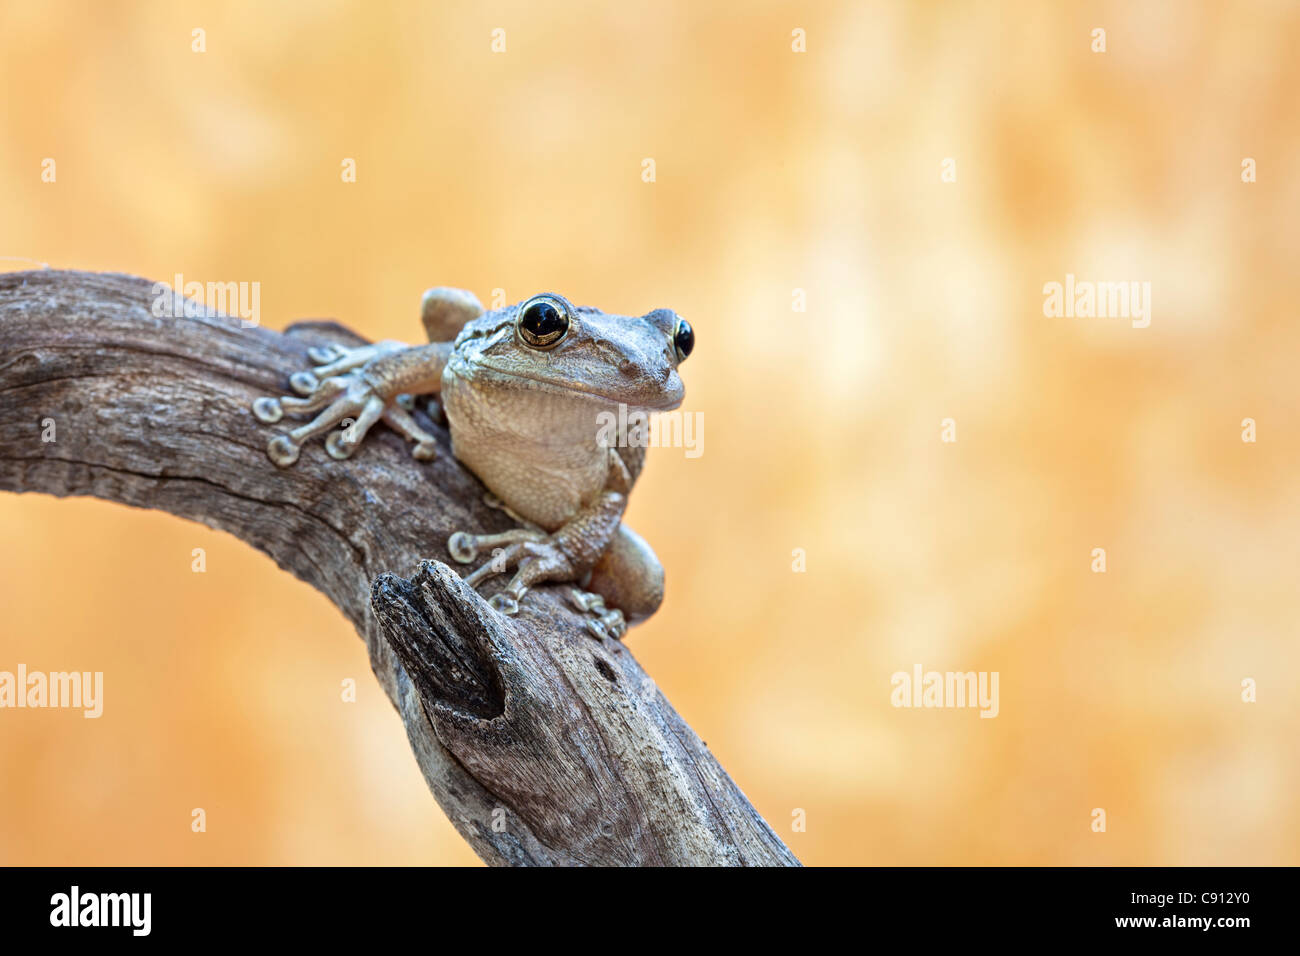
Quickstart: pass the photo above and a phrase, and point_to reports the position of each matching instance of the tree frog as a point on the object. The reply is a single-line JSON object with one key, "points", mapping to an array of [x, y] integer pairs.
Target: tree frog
{"points": [[527, 390]]}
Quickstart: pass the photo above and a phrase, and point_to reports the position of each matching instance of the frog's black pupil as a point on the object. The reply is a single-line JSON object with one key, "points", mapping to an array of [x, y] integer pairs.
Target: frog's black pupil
{"points": [[543, 322], [685, 338]]}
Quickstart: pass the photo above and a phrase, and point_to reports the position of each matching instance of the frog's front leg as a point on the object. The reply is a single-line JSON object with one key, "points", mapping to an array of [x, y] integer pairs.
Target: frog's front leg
{"points": [[567, 555], [356, 388]]}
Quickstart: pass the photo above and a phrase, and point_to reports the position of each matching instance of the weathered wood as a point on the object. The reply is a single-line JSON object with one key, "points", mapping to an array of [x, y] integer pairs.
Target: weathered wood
{"points": [[543, 744]]}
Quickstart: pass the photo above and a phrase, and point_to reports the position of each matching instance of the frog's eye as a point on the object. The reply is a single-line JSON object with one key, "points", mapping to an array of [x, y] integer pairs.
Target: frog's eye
{"points": [[543, 321], [683, 339]]}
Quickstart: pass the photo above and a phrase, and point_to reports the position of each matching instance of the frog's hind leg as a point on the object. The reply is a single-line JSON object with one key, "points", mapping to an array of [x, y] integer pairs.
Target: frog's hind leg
{"points": [[444, 312], [625, 586], [629, 576]]}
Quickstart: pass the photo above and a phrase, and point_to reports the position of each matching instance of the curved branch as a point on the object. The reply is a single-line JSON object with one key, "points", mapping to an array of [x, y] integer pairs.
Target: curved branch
{"points": [[543, 744]]}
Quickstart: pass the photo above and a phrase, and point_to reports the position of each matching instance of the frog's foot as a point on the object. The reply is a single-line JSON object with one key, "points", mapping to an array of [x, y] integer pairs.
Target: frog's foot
{"points": [[465, 547], [539, 557], [601, 623], [324, 354], [348, 401], [340, 391]]}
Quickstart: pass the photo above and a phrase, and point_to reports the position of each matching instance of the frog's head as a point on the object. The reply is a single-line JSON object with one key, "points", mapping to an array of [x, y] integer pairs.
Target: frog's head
{"points": [[546, 344]]}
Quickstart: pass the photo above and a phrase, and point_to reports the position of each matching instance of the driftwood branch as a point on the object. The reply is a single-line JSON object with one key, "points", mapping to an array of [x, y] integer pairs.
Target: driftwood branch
{"points": [[543, 744]]}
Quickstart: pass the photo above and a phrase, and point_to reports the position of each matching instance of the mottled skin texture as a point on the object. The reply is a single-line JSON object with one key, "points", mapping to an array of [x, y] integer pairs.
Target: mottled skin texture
{"points": [[529, 391]]}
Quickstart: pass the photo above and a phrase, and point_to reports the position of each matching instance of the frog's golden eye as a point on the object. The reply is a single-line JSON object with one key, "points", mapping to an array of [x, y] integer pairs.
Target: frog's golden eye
{"points": [[543, 321], [683, 339]]}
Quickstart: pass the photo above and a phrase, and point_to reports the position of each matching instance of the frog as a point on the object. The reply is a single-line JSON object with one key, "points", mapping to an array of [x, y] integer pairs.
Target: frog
{"points": [[527, 391]]}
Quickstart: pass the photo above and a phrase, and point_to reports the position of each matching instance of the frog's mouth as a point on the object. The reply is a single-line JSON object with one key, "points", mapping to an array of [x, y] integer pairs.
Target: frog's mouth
{"points": [[667, 402]]}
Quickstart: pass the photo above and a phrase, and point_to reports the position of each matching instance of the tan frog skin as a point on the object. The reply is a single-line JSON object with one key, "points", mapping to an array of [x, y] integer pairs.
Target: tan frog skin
{"points": [[523, 388]]}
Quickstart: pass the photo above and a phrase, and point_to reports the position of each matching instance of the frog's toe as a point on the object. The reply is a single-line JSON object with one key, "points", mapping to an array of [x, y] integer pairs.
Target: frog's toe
{"points": [[601, 622], [267, 410], [463, 547], [586, 601], [342, 444], [614, 623], [304, 383], [609, 625], [400, 420], [324, 354], [282, 451], [505, 603], [337, 447]]}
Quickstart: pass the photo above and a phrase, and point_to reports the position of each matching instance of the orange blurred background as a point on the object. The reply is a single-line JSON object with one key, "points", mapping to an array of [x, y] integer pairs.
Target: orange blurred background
{"points": [[775, 171]]}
